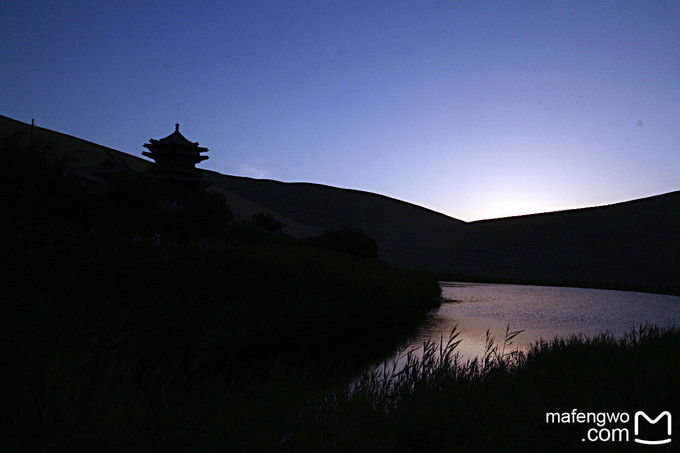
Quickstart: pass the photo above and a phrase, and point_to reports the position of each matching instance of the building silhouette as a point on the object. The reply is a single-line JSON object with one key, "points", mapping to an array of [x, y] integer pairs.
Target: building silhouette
{"points": [[175, 160]]}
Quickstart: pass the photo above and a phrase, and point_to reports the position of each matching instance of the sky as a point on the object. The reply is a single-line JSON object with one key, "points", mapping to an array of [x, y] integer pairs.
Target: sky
{"points": [[474, 109]]}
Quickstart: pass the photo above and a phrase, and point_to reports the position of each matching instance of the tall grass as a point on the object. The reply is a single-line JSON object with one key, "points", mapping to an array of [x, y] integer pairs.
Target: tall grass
{"points": [[497, 402]]}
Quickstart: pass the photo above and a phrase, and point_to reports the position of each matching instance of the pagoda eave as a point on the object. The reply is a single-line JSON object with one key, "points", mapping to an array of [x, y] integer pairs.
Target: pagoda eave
{"points": [[175, 158], [185, 148]]}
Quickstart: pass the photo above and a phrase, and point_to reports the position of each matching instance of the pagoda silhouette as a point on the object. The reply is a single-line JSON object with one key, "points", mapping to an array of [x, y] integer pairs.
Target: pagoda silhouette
{"points": [[175, 160]]}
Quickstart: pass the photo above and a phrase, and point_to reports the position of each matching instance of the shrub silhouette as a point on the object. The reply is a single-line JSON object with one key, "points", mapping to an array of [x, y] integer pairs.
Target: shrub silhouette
{"points": [[203, 214], [267, 222], [352, 241]]}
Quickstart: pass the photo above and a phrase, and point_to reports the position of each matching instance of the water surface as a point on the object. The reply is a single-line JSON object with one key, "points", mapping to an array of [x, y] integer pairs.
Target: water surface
{"points": [[542, 312]]}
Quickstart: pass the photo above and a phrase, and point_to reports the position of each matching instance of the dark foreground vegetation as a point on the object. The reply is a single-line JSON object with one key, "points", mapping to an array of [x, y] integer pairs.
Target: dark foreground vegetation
{"points": [[106, 342], [120, 301], [214, 337], [499, 402]]}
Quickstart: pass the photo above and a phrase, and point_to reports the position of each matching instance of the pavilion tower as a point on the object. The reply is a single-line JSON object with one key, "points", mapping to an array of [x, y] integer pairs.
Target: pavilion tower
{"points": [[175, 159]]}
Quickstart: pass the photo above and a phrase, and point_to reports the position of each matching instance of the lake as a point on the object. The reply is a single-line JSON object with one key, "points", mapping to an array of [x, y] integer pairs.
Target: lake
{"points": [[541, 311]]}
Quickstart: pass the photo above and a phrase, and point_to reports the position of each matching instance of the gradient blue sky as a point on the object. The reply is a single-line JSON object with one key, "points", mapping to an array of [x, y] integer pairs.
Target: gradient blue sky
{"points": [[474, 109]]}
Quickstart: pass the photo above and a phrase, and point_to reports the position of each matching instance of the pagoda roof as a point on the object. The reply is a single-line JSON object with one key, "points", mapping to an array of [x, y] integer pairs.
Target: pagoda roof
{"points": [[176, 139]]}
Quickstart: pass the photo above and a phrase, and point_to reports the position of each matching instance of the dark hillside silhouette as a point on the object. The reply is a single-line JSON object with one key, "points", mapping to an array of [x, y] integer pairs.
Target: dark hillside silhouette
{"points": [[83, 152], [632, 245], [408, 235]]}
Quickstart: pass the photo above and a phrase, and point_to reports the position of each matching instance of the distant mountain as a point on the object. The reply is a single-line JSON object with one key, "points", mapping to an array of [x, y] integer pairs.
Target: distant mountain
{"points": [[634, 244]]}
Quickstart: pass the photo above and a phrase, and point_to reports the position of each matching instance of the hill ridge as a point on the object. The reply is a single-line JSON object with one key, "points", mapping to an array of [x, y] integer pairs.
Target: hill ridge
{"points": [[629, 244], [343, 189], [581, 209]]}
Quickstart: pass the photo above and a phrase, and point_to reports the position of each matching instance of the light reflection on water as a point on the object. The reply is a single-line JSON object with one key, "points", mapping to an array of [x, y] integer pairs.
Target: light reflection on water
{"points": [[541, 311]]}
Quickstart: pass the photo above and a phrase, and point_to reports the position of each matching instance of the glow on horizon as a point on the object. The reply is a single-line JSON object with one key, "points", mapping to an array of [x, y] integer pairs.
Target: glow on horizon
{"points": [[476, 110]]}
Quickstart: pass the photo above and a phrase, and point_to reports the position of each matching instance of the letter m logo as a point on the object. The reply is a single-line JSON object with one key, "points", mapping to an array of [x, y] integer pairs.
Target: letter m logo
{"points": [[639, 414]]}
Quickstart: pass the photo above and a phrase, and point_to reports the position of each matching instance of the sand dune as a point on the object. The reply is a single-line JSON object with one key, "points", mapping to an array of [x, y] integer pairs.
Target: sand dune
{"points": [[633, 244]]}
